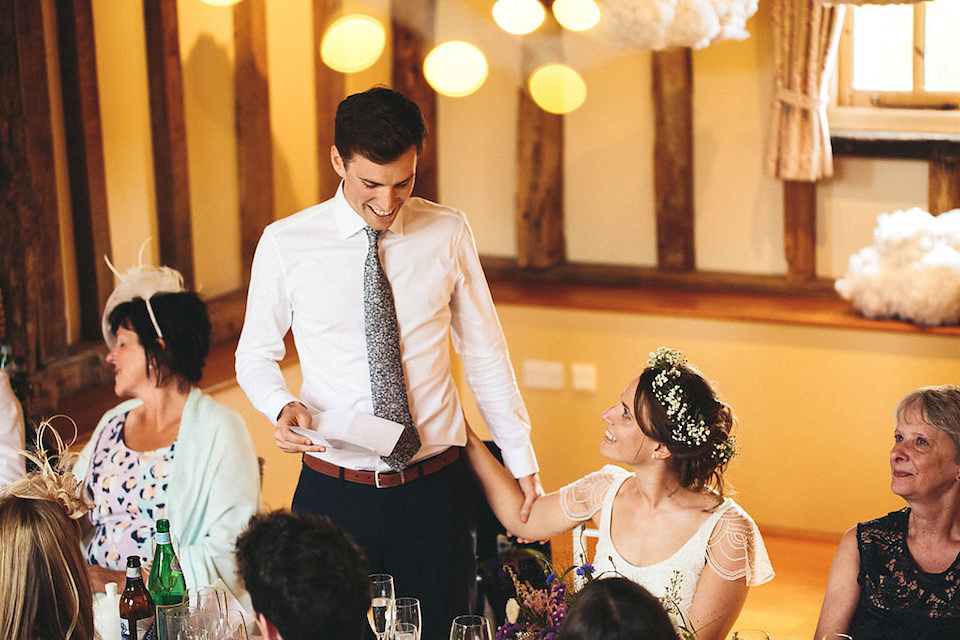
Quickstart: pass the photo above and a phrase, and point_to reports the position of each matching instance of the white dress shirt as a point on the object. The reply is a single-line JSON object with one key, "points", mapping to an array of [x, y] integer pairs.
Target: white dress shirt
{"points": [[12, 464], [308, 275]]}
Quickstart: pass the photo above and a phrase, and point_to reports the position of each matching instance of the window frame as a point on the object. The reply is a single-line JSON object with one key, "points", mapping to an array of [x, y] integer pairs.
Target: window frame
{"points": [[917, 99]]}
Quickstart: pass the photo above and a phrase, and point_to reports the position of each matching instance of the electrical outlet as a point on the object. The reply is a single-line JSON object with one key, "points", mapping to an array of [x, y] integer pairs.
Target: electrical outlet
{"points": [[583, 376], [543, 374]]}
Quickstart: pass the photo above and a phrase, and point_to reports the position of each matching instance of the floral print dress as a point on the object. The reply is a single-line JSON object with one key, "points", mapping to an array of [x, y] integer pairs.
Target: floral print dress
{"points": [[129, 492]]}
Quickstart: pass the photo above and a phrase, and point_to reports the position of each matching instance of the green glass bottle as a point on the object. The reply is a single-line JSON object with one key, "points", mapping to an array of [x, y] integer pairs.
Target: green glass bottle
{"points": [[166, 584]]}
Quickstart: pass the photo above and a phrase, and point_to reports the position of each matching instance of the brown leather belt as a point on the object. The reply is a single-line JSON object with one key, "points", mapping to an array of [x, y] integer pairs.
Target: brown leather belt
{"points": [[384, 479]]}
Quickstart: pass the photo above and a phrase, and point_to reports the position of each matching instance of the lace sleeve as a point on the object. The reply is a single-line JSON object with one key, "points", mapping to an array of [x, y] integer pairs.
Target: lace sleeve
{"points": [[581, 499], [736, 549]]}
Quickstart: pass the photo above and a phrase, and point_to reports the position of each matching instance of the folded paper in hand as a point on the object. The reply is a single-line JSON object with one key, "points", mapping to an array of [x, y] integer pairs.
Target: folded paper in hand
{"points": [[353, 431]]}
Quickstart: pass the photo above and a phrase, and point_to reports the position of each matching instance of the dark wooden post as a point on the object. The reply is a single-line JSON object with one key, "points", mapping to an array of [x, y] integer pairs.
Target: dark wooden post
{"points": [[329, 92], [412, 23], [944, 180], [254, 140], [87, 174], [168, 126], [800, 229], [673, 158], [539, 199]]}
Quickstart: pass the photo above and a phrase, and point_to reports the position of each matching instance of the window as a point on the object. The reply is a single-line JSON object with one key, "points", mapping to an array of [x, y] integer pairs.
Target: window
{"points": [[901, 56]]}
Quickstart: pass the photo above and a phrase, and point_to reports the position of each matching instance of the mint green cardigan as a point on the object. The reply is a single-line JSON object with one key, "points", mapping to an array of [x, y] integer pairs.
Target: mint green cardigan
{"points": [[213, 490]]}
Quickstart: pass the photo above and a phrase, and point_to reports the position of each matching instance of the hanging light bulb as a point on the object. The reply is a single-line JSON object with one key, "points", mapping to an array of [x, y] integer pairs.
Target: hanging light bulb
{"points": [[518, 16], [353, 43], [455, 68], [557, 88], [576, 15]]}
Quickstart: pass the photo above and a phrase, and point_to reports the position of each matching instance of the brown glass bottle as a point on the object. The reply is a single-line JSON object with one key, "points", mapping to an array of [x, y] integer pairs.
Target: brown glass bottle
{"points": [[136, 605]]}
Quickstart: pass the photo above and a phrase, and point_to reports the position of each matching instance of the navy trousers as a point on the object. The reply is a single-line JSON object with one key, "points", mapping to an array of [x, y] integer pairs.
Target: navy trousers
{"points": [[423, 533]]}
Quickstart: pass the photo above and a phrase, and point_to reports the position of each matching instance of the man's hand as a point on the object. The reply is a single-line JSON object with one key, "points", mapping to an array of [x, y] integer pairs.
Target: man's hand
{"points": [[532, 489], [294, 414]]}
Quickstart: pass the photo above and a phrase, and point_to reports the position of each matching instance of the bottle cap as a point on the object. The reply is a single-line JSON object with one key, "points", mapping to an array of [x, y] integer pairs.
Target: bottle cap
{"points": [[110, 588], [133, 561], [163, 525]]}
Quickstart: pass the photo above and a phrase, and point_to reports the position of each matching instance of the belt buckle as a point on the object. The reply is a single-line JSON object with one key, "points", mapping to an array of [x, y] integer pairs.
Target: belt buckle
{"points": [[376, 479]]}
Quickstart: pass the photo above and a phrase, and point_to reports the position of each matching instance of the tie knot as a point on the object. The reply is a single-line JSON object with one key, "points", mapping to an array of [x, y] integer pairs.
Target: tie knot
{"points": [[373, 235]]}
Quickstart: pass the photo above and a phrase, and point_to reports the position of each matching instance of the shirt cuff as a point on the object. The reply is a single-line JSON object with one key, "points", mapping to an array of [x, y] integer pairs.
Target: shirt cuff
{"points": [[521, 462]]}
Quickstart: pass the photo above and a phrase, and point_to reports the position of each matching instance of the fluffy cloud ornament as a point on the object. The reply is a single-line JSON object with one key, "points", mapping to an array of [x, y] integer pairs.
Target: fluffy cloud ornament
{"points": [[659, 24], [911, 272]]}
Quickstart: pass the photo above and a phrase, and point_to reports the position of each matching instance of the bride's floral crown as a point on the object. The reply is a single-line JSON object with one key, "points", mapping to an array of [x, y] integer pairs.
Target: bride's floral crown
{"points": [[689, 427]]}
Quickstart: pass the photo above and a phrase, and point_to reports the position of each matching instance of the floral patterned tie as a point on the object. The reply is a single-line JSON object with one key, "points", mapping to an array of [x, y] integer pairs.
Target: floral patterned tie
{"points": [[387, 383]]}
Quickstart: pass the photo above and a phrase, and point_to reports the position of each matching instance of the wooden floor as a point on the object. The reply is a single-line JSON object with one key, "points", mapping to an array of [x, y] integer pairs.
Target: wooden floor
{"points": [[788, 606]]}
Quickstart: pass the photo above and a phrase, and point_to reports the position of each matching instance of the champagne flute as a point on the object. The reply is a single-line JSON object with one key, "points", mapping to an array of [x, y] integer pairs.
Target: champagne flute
{"points": [[750, 634], [470, 628], [407, 610], [380, 615]]}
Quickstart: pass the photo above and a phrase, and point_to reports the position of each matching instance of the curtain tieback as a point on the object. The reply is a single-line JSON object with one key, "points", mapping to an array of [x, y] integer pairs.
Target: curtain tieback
{"points": [[797, 99]]}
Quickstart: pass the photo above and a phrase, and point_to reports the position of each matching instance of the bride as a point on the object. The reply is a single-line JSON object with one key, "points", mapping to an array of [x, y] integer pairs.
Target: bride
{"points": [[665, 522]]}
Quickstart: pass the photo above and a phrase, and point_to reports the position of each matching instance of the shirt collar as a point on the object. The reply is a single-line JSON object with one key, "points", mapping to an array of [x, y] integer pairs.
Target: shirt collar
{"points": [[349, 221]]}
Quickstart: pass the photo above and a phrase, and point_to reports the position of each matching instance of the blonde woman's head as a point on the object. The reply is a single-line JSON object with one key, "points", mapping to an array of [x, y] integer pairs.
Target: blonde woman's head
{"points": [[44, 590]]}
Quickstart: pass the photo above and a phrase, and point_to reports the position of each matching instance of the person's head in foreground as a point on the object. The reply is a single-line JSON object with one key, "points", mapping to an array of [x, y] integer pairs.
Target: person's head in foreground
{"points": [[616, 609], [672, 412], [307, 578], [44, 590]]}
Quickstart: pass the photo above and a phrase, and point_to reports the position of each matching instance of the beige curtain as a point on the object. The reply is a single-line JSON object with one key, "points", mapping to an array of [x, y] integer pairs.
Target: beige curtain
{"points": [[806, 37]]}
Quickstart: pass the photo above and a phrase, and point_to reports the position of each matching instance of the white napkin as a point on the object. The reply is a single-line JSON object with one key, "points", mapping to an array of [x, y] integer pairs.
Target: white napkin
{"points": [[353, 431]]}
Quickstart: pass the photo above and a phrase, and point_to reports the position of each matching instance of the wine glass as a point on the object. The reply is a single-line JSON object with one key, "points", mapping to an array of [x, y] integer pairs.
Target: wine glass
{"points": [[750, 634], [405, 631], [470, 628], [211, 603], [407, 610], [380, 614]]}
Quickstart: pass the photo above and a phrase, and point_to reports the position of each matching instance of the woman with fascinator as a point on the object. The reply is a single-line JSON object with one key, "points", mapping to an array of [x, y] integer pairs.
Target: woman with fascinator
{"points": [[45, 593], [663, 521], [170, 451]]}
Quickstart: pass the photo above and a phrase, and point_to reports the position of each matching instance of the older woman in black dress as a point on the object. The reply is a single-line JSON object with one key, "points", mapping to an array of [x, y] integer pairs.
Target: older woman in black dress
{"points": [[899, 576]]}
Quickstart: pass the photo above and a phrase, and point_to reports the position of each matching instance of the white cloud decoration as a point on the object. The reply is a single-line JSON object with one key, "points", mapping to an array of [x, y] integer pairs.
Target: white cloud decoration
{"points": [[911, 272], [658, 24]]}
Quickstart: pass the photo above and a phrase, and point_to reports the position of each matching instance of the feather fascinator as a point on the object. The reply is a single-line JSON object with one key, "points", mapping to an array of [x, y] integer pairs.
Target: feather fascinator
{"points": [[141, 281]]}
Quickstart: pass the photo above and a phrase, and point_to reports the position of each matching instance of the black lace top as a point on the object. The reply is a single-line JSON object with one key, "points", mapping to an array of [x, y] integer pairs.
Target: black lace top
{"points": [[897, 599]]}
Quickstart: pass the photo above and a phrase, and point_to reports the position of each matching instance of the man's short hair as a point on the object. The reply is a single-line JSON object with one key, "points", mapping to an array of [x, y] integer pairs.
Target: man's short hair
{"points": [[379, 124], [305, 575]]}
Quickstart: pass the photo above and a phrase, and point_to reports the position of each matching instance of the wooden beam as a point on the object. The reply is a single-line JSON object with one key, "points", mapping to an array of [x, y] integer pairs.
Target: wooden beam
{"points": [[539, 197], [168, 128], [943, 192], [85, 162], [673, 158], [412, 23], [800, 229], [330, 90], [44, 331], [940, 150], [17, 203], [254, 139]]}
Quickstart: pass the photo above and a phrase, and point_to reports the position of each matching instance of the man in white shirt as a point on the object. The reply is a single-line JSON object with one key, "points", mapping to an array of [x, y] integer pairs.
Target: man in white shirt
{"points": [[308, 276]]}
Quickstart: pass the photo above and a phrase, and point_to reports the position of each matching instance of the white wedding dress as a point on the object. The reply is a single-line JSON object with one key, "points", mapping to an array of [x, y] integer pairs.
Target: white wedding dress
{"points": [[728, 540]]}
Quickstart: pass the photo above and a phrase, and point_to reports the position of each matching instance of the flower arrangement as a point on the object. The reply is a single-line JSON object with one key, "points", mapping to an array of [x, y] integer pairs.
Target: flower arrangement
{"points": [[538, 613], [671, 602]]}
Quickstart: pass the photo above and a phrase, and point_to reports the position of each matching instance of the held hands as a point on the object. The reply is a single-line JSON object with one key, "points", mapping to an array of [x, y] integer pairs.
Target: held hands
{"points": [[294, 414]]}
